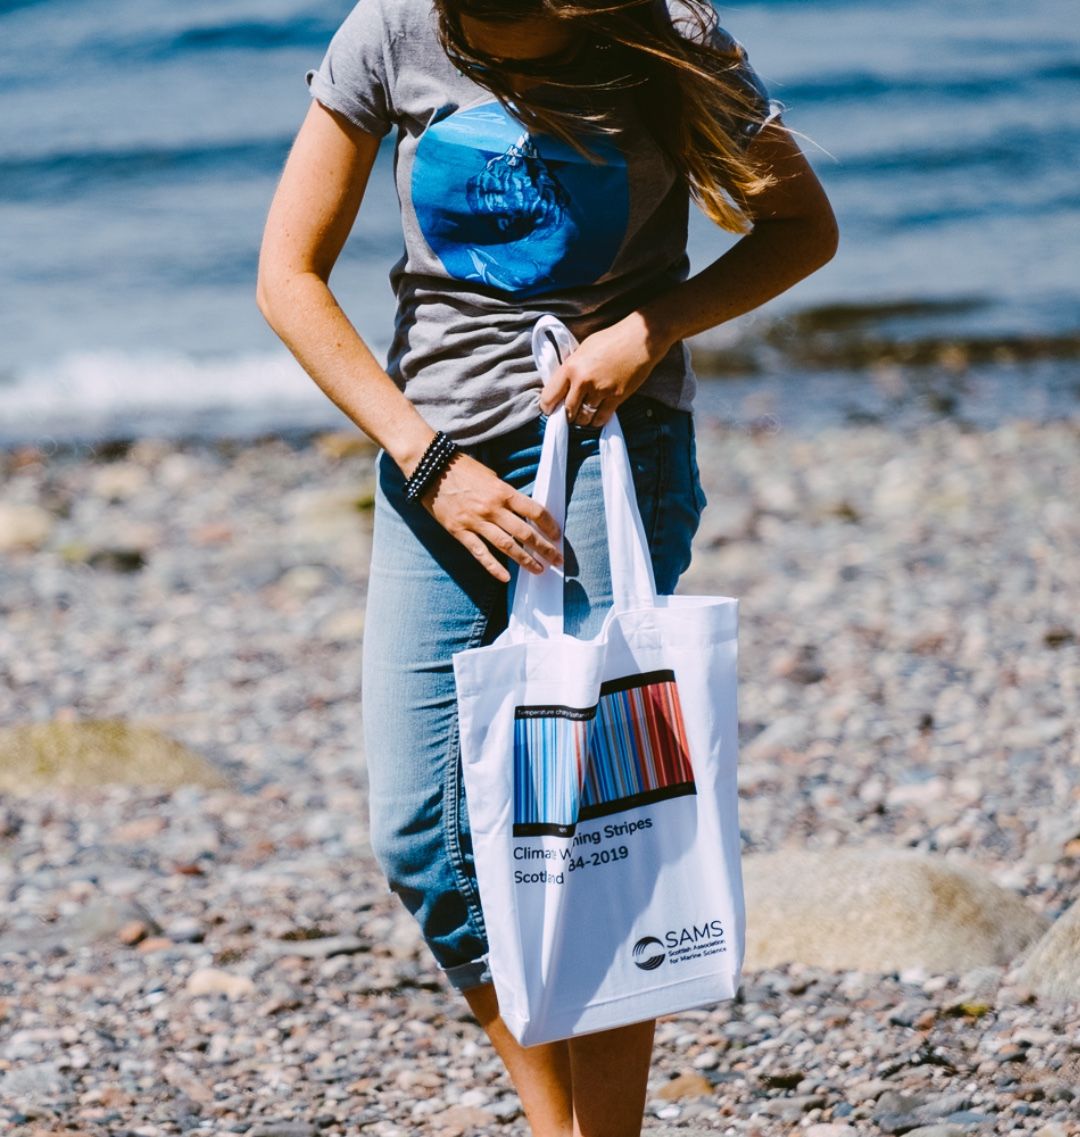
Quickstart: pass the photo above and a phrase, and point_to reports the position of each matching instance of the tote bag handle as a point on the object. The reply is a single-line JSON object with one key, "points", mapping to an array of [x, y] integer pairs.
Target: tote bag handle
{"points": [[537, 609]]}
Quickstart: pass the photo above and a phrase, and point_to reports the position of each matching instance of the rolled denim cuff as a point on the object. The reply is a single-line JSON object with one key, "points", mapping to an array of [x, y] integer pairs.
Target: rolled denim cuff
{"points": [[466, 975]]}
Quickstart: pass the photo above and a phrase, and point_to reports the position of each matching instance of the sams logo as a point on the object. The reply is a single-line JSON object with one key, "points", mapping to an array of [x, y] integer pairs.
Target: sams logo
{"points": [[648, 953]]}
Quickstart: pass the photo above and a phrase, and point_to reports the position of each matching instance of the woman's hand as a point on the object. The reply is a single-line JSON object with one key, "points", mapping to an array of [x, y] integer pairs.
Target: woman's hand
{"points": [[474, 505], [606, 368]]}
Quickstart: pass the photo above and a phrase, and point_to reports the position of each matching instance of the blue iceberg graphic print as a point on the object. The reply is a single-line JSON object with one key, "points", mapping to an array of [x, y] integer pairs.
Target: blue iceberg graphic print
{"points": [[520, 212]]}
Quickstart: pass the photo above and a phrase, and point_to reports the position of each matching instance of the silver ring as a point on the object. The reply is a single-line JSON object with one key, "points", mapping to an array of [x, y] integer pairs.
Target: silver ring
{"points": [[586, 407]]}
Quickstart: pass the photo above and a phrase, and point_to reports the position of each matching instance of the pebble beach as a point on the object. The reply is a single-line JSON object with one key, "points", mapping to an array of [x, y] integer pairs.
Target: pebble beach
{"points": [[219, 955]]}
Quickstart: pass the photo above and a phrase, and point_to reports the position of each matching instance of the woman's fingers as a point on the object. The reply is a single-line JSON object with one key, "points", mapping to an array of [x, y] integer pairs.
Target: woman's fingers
{"points": [[527, 507], [485, 513], [499, 539], [483, 554], [538, 545], [555, 389], [587, 406], [581, 405], [604, 412]]}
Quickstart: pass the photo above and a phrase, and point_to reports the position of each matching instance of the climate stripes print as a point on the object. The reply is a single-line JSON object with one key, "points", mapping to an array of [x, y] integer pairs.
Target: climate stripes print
{"points": [[572, 764], [549, 764], [637, 746]]}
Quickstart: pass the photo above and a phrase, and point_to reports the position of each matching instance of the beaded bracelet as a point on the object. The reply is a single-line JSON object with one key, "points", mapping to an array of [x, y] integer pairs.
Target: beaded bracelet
{"points": [[435, 459]]}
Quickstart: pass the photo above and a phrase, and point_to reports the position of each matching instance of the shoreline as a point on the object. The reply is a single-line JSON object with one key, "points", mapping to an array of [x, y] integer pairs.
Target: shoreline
{"points": [[888, 392]]}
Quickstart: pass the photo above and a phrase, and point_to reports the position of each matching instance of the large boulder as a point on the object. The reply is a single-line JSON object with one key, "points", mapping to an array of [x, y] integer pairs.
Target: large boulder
{"points": [[880, 909], [1052, 968], [93, 752]]}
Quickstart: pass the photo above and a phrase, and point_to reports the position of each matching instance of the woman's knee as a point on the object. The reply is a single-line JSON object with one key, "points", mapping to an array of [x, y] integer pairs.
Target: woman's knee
{"points": [[412, 854]]}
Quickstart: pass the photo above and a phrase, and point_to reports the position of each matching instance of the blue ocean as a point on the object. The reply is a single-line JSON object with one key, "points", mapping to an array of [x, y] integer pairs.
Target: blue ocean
{"points": [[141, 141]]}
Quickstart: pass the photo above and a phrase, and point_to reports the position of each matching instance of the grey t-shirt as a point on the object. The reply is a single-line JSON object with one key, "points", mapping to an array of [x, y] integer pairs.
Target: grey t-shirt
{"points": [[501, 226]]}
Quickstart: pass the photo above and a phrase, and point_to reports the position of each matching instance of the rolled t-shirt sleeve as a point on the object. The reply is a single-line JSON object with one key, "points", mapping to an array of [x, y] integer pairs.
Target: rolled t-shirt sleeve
{"points": [[766, 108], [355, 77]]}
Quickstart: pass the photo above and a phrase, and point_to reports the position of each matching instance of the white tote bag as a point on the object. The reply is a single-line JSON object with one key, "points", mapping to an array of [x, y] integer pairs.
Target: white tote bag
{"points": [[600, 778]]}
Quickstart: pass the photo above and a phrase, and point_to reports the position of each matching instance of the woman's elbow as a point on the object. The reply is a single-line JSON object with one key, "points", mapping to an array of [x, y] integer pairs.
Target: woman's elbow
{"points": [[269, 285], [262, 299], [820, 239]]}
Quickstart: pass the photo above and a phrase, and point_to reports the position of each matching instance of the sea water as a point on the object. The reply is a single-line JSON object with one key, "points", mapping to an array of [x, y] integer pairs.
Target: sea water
{"points": [[141, 141]]}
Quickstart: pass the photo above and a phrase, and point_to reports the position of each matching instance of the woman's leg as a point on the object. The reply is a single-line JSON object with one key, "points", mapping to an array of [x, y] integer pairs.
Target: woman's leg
{"points": [[541, 1074], [609, 1073], [592, 1086]]}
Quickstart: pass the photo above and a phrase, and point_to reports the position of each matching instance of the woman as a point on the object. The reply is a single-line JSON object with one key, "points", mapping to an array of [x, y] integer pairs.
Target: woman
{"points": [[546, 152]]}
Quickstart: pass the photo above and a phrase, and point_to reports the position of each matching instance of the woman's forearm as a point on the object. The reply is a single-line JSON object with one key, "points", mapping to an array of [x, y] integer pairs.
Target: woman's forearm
{"points": [[306, 316], [764, 263]]}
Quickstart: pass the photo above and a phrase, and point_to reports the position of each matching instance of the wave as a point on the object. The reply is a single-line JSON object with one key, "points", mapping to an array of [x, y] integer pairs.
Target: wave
{"points": [[59, 173], [101, 393], [853, 86], [1007, 153], [110, 394], [9, 6], [239, 35]]}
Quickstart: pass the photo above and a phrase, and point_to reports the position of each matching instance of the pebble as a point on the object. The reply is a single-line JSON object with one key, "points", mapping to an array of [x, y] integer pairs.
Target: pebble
{"points": [[23, 527], [911, 675], [282, 1129], [212, 981], [687, 1085], [937, 1131]]}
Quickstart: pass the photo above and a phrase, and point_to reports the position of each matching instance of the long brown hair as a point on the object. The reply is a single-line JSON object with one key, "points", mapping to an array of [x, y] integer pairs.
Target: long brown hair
{"points": [[681, 81]]}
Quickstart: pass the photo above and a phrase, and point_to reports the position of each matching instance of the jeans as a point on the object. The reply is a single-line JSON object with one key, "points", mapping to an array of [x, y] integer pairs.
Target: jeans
{"points": [[429, 598]]}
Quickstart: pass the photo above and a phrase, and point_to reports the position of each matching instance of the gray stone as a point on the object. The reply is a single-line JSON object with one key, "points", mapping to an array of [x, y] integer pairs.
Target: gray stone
{"points": [[938, 1131], [186, 931], [946, 1104], [878, 909], [893, 1101], [1052, 967], [319, 947], [283, 1129], [792, 1108], [37, 1082]]}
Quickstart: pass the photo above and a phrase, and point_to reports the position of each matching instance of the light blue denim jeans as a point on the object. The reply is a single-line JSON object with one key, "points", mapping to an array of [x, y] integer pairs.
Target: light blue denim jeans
{"points": [[428, 598]]}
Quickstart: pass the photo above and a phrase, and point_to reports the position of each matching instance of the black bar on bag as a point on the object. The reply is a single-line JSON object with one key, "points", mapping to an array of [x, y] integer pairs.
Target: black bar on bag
{"points": [[603, 809]]}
